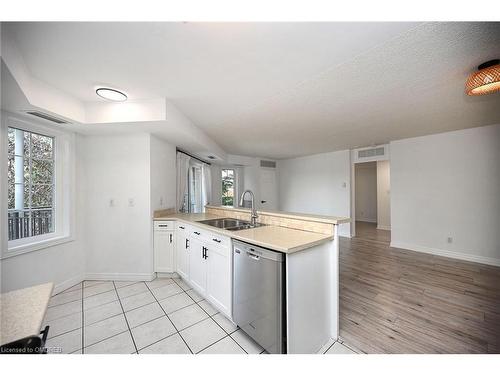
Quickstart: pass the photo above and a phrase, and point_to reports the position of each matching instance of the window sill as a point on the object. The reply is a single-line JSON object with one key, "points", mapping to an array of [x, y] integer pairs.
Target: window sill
{"points": [[34, 246]]}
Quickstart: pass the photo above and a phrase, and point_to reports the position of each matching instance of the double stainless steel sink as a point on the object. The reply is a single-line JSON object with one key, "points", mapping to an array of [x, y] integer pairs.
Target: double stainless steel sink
{"points": [[230, 224]]}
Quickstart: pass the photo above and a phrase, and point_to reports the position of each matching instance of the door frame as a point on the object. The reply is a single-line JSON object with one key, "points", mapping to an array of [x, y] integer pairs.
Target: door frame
{"points": [[356, 160]]}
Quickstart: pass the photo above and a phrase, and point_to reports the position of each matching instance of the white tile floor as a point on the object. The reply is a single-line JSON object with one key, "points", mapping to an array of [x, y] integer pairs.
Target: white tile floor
{"points": [[161, 316]]}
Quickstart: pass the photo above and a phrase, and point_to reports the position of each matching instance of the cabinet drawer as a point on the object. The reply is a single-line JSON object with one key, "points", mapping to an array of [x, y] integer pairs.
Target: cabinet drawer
{"points": [[164, 225], [183, 227], [218, 240]]}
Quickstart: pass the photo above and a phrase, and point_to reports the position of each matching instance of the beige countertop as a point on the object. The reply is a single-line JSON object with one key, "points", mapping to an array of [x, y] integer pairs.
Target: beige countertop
{"points": [[22, 312], [285, 240]]}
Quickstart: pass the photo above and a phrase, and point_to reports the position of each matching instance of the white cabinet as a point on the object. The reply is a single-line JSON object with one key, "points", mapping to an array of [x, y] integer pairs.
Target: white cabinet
{"points": [[163, 246], [201, 257], [182, 247], [197, 265], [219, 277]]}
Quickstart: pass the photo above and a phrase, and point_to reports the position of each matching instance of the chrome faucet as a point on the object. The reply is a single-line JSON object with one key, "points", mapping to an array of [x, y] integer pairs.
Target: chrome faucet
{"points": [[254, 211]]}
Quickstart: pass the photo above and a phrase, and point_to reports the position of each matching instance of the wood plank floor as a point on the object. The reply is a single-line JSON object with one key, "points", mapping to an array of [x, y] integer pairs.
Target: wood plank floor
{"points": [[400, 301]]}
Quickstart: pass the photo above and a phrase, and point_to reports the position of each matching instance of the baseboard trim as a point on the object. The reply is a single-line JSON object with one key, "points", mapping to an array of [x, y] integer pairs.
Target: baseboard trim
{"points": [[447, 253], [372, 221], [383, 227], [61, 287], [120, 276]]}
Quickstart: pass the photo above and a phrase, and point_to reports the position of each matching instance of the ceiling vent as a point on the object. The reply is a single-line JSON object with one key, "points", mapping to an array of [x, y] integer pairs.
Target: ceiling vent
{"points": [[47, 117], [268, 164], [371, 152]]}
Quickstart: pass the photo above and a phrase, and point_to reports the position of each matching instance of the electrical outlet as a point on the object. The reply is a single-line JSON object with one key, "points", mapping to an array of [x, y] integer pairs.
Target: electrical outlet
{"points": [[161, 201], [131, 202], [344, 184], [449, 239], [112, 203]]}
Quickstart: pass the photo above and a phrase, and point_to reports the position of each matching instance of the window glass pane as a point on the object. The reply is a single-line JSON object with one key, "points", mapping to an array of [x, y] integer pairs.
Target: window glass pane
{"points": [[42, 221], [26, 143], [41, 196], [11, 197], [41, 171], [30, 184], [25, 190], [11, 141], [41, 146], [228, 187], [10, 170], [26, 172]]}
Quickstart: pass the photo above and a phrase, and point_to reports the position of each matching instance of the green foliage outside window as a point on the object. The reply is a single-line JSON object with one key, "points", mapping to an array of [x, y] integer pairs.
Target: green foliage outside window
{"points": [[228, 187]]}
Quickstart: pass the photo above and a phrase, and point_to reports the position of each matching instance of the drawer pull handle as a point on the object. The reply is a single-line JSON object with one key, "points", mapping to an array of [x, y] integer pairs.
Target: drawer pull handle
{"points": [[163, 225], [182, 227], [216, 240], [197, 233]]}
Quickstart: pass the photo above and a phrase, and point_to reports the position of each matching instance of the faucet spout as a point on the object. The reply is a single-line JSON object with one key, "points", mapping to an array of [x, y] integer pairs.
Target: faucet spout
{"points": [[254, 216]]}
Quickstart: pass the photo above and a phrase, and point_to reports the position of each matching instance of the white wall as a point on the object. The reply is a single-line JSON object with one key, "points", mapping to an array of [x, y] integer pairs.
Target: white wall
{"points": [[317, 184], [366, 192], [383, 195], [119, 237], [163, 174], [447, 185]]}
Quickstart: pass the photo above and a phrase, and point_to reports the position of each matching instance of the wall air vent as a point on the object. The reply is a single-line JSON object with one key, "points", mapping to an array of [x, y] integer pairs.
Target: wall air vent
{"points": [[47, 117], [268, 164], [371, 152]]}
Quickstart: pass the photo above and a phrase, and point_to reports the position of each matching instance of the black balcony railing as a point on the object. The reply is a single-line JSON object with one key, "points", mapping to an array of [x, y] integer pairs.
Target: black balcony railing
{"points": [[23, 224]]}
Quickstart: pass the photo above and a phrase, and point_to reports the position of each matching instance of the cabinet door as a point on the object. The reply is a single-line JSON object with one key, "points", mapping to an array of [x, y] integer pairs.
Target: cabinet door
{"points": [[182, 248], [219, 278], [163, 251], [197, 266]]}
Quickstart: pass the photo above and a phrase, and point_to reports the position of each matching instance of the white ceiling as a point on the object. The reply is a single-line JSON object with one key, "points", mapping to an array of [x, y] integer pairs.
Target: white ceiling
{"points": [[279, 89]]}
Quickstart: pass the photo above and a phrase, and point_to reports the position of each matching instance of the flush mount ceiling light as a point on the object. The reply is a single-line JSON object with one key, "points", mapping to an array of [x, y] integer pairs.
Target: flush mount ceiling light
{"points": [[111, 94], [486, 80]]}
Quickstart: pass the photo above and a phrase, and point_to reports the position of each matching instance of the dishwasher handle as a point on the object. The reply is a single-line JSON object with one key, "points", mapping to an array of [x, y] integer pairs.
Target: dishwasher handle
{"points": [[253, 256]]}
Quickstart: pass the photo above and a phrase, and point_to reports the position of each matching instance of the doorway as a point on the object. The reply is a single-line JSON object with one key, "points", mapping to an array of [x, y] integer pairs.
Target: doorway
{"points": [[372, 211]]}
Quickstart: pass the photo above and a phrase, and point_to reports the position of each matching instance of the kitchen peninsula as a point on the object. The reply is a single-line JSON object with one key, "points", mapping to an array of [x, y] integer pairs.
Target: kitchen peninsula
{"points": [[203, 256]]}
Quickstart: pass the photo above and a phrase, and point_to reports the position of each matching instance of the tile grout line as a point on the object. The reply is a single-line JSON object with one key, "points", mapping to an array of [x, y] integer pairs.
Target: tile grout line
{"points": [[329, 348], [109, 337], [211, 317], [182, 338], [126, 320]]}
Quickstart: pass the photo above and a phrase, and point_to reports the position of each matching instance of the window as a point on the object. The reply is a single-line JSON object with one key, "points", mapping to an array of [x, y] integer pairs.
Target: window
{"points": [[39, 181], [195, 189], [30, 169], [228, 187]]}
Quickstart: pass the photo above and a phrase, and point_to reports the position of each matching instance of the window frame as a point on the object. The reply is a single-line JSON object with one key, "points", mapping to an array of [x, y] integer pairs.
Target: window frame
{"points": [[30, 158], [64, 183]]}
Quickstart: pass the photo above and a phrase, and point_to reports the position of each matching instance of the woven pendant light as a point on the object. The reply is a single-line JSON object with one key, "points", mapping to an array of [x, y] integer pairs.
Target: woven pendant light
{"points": [[486, 80]]}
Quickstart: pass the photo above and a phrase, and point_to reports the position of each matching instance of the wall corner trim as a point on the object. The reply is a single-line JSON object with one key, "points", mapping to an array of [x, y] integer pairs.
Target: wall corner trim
{"points": [[447, 253], [383, 227], [61, 287]]}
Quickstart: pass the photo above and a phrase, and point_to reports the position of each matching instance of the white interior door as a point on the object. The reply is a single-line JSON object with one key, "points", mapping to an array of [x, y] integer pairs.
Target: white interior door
{"points": [[268, 190]]}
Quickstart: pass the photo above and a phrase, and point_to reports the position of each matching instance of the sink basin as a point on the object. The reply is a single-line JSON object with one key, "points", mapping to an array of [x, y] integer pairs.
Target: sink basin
{"points": [[230, 224]]}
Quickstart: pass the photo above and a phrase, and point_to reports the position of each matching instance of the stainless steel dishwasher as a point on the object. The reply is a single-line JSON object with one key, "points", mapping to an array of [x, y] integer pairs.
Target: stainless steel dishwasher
{"points": [[258, 296]]}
